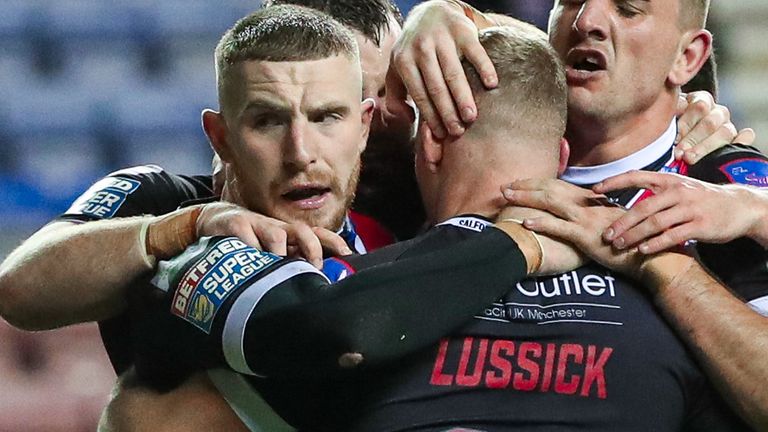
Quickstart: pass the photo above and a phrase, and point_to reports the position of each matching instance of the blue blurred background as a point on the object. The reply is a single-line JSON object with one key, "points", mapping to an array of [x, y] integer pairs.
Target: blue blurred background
{"points": [[90, 86]]}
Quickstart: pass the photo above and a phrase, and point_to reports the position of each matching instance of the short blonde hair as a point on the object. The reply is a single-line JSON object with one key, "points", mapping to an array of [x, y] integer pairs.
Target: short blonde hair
{"points": [[531, 98], [285, 33]]}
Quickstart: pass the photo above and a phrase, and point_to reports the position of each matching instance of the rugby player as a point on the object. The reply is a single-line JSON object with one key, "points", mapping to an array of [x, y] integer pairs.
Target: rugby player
{"points": [[575, 341], [240, 59], [308, 174], [626, 61], [43, 293], [290, 134]]}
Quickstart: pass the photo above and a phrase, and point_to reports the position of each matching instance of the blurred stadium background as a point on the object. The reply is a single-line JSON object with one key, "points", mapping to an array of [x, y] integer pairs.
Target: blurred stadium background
{"points": [[89, 86]]}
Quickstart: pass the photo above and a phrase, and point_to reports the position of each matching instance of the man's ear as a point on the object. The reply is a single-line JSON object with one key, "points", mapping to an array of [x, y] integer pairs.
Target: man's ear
{"points": [[565, 154], [215, 128], [368, 108], [431, 147], [694, 52]]}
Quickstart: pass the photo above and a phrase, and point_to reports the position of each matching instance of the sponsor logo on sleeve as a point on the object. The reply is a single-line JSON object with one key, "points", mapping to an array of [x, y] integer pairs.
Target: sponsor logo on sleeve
{"points": [[752, 171], [104, 198], [223, 270]]}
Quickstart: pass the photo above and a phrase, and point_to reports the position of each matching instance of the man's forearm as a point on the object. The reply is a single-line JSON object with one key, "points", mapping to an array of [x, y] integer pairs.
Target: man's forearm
{"points": [[758, 206], [69, 273], [730, 339]]}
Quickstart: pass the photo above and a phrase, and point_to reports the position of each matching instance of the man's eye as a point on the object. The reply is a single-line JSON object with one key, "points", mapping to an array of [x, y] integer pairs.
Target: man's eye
{"points": [[265, 121], [628, 11], [329, 117]]}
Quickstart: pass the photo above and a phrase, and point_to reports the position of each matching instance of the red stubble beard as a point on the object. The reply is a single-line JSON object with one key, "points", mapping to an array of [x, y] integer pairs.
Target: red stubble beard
{"points": [[331, 215]]}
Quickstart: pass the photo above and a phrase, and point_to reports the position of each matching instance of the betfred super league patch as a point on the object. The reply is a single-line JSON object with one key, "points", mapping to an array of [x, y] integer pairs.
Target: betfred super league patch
{"points": [[104, 198], [225, 268], [749, 171]]}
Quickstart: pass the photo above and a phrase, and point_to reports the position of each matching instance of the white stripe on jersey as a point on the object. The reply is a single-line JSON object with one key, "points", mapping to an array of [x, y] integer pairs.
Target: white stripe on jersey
{"points": [[136, 170], [359, 245], [467, 222], [251, 408], [640, 193], [649, 154], [234, 328], [760, 305]]}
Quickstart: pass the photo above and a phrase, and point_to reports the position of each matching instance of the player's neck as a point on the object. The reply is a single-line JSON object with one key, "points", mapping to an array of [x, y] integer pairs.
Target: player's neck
{"points": [[472, 196], [596, 141]]}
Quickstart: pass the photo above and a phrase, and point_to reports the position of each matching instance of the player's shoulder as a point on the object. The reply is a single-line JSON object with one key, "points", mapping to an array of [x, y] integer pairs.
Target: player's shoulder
{"points": [[145, 189], [338, 268], [733, 163], [157, 176]]}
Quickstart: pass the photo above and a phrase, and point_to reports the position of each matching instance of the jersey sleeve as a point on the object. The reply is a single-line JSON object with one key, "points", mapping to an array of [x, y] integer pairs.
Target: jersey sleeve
{"points": [[130, 192], [740, 264], [734, 163], [140, 190], [259, 314]]}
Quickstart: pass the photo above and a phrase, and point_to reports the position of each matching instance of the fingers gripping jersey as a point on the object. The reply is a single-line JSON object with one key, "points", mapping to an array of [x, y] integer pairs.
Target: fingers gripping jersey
{"points": [[743, 263]]}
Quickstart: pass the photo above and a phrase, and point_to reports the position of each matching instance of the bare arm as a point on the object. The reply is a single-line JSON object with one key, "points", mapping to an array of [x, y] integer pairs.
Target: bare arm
{"points": [[68, 273], [195, 405], [729, 338]]}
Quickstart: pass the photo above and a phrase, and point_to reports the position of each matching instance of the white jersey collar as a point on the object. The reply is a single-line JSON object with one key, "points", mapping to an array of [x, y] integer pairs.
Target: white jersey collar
{"points": [[646, 156], [474, 223]]}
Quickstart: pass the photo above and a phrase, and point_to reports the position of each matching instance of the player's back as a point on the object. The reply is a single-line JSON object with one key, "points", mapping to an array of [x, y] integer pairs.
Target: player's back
{"points": [[579, 351]]}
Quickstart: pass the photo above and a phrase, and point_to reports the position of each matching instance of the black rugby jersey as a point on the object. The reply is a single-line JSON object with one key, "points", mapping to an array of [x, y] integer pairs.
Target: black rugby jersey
{"points": [[585, 350], [741, 264]]}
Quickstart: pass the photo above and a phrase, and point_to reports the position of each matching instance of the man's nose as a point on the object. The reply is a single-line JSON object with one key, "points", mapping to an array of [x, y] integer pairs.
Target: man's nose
{"points": [[299, 149], [591, 21]]}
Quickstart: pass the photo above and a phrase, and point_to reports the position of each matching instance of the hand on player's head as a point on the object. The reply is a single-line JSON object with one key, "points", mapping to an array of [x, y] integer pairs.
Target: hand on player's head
{"points": [[426, 63]]}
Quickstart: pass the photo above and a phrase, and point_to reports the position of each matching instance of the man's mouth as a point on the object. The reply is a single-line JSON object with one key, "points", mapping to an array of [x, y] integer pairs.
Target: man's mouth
{"points": [[308, 197], [584, 63], [587, 64]]}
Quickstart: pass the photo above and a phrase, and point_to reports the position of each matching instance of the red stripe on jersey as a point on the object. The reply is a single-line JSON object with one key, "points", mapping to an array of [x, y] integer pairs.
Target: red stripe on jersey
{"points": [[372, 233], [676, 166]]}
